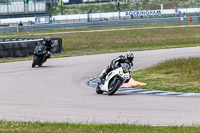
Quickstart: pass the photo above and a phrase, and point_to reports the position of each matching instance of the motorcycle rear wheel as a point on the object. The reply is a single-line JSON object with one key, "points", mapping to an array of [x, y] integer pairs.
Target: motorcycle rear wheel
{"points": [[115, 87]]}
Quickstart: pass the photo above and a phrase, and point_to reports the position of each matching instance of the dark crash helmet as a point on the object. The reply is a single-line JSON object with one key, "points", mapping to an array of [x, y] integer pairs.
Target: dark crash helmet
{"points": [[47, 40], [129, 56]]}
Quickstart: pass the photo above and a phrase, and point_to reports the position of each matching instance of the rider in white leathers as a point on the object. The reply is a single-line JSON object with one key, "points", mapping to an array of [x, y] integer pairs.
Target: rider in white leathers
{"points": [[116, 63]]}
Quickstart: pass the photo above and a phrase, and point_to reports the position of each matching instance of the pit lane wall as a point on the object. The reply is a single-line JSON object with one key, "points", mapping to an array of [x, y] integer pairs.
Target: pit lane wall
{"points": [[23, 47]]}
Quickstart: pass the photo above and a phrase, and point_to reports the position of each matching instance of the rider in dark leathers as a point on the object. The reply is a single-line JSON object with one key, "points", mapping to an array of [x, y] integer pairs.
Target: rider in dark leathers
{"points": [[116, 63], [49, 45]]}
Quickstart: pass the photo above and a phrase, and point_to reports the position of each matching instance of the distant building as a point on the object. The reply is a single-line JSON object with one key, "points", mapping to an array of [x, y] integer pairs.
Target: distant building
{"points": [[11, 7]]}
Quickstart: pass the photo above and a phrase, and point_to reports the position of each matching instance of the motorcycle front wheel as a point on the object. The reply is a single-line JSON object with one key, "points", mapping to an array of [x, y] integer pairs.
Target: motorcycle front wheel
{"points": [[42, 60], [114, 86], [35, 59], [40, 64]]}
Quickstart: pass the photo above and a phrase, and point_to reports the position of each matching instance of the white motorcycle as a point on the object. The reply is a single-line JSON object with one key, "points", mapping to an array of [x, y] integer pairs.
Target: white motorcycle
{"points": [[115, 79]]}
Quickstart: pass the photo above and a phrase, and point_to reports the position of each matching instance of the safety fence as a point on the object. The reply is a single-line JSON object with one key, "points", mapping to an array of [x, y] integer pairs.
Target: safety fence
{"points": [[23, 47], [94, 24]]}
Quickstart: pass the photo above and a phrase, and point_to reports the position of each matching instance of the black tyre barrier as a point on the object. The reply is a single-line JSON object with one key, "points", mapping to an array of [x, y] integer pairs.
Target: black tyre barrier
{"points": [[23, 47]]}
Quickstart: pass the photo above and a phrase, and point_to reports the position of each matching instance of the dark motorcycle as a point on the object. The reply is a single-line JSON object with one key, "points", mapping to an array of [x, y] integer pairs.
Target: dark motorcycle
{"points": [[40, 55]]}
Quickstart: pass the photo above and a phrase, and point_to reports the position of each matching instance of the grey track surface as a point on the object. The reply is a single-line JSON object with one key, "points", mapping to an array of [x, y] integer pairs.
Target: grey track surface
{"points": [[57, 92]]}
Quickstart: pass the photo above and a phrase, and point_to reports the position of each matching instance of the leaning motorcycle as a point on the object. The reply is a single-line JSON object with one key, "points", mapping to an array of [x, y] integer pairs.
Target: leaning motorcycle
{"points": [[114, 79], [40, 55]]}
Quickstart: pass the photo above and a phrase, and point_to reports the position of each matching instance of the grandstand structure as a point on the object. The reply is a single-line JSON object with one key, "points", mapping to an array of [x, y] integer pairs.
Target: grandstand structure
{"points": [[9, 8]]}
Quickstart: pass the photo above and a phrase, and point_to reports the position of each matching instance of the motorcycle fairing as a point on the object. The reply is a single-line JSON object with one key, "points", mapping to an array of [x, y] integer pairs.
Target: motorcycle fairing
{"points": [[117, 72]]}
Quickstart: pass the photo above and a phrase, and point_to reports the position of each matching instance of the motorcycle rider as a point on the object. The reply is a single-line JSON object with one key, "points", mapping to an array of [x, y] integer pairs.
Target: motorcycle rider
{"points": [[49, 45], [116, 63]]}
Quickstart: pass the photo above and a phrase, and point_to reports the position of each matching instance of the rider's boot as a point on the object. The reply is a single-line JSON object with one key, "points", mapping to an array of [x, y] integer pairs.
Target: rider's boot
{"points": [[102, 78]]}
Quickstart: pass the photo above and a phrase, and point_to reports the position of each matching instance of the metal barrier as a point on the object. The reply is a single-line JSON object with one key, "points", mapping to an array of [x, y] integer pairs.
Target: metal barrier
{"points": [[146, 21]]}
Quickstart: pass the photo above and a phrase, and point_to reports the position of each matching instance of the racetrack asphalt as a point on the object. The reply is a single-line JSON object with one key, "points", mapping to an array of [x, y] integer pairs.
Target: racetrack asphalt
{"points": [[57, 92]]}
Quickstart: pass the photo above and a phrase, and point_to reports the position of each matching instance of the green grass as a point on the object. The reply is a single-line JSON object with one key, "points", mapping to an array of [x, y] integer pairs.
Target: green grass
{"points": [[179, 75], [37, 127], [124, 39], [5, 60], [124, 6], [117, 41], [134, 39]]}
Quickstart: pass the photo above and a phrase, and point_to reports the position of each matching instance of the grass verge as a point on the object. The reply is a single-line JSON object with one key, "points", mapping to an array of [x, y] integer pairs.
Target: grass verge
{"points": [[89, 128], [178, 75], [124, 6], [136, 39]]}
